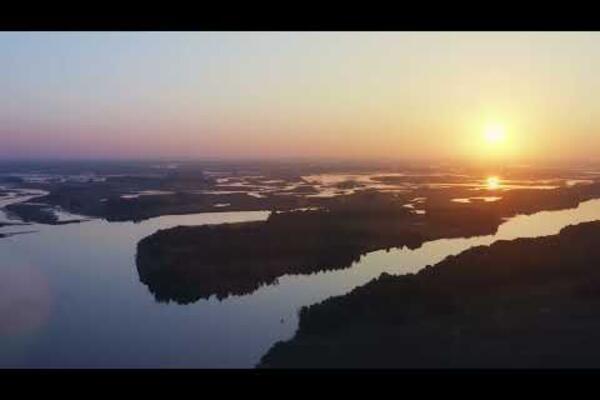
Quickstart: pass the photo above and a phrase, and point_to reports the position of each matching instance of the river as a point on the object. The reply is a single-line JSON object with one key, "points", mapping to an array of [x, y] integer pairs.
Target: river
{"points": [[70, 295]]}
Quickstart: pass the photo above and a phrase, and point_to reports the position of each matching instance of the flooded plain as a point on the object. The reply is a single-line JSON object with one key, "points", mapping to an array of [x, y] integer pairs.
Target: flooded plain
{"points": [[70, 295]]}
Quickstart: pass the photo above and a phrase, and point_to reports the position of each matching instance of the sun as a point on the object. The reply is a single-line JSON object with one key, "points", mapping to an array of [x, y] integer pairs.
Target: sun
{"points": [[492, 141], [494, 133]]}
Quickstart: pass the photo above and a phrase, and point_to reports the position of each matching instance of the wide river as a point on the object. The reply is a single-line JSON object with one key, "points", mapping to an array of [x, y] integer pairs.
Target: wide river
{"points": [[70, 295]]}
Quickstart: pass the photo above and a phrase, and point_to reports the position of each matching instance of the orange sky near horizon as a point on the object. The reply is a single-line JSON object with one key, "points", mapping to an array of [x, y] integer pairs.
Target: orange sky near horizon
{"points": [[390, 95]]}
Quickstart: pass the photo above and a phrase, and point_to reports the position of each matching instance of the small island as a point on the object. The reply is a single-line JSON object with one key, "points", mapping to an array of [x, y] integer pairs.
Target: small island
{"points": [[185, 264], [38, 213]]}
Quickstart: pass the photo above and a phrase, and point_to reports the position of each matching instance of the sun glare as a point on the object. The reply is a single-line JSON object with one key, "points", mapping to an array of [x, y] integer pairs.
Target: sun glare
{"points": [[492, 182], [494, 133]]}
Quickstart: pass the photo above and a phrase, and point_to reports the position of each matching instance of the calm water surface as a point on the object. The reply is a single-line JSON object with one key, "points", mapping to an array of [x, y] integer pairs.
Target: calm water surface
{"points": [[70, 295]]}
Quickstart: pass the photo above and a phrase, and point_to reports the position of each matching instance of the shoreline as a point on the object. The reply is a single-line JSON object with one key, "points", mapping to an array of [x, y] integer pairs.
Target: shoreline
{"points": [[489, 306]]}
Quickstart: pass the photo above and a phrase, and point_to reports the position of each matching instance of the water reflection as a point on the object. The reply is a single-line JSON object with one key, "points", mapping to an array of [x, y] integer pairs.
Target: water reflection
{"points": [[493, 183], [100, 314], [25, 299]]}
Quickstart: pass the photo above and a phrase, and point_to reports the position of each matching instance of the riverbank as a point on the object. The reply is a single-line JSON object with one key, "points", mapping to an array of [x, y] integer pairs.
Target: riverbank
{"points": [[521, 303]]}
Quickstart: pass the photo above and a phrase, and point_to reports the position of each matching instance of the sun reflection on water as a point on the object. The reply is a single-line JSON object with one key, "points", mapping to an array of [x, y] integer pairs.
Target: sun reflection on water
{"points": [[493, 183]]}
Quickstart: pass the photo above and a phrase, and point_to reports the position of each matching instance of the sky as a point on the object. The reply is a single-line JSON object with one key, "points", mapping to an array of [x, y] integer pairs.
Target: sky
{"points": [[273, 95]]}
